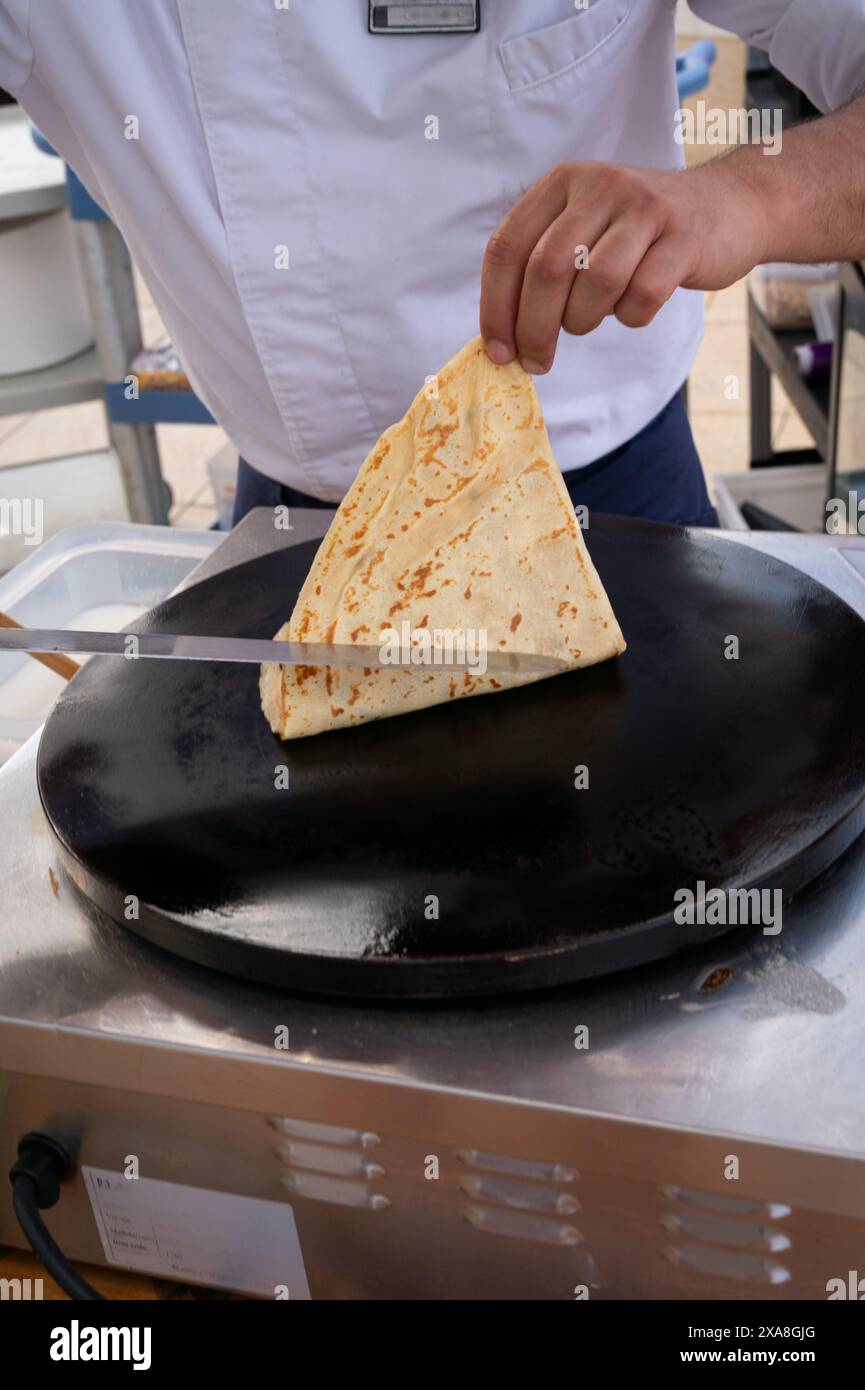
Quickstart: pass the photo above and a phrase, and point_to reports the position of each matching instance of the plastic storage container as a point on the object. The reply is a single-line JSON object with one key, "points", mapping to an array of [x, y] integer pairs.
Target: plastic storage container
{"points": [[45, 314], [46, 318], [98, 576], [796, 494]]}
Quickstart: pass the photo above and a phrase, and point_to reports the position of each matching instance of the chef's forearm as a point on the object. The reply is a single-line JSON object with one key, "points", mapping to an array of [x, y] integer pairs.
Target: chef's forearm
{"points": [[813, 191]]}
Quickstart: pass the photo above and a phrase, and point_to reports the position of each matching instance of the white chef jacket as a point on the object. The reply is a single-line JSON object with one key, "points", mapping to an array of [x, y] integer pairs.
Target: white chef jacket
{"points": [[313, 253]]}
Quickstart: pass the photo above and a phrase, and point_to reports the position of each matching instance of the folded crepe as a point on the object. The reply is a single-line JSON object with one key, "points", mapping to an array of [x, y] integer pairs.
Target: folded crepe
{"points": [[458, 521]]}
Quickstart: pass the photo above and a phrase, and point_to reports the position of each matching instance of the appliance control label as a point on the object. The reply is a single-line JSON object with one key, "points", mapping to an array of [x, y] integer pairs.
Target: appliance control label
{"points": [[191, 1233]]}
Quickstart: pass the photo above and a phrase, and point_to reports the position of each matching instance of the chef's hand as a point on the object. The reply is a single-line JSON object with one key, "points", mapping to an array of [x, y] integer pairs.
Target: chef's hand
{"points": [[590, 240]]}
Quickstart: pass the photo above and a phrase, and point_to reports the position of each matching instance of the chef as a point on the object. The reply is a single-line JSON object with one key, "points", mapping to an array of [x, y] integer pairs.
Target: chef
{"points": [[326, 197]]}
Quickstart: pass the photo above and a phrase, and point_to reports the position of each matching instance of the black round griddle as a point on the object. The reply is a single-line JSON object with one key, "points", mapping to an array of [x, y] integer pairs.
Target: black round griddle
{"points": [[448, 851]]}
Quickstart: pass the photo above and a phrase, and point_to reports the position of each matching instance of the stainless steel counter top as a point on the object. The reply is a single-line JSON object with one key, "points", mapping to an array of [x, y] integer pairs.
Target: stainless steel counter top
{"points": [[775, 1052]]}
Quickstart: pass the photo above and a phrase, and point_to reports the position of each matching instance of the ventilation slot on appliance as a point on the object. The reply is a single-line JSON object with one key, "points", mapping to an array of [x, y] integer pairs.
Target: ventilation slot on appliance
{"points": [[342, 1163], [523, 1195], [329, 1163], [725, 1202], [519, 1197], [726, 1235], [499, 1221], [324, 1134], [721, 1230], [341, 1193], [727, 1264], [517, 1167]]}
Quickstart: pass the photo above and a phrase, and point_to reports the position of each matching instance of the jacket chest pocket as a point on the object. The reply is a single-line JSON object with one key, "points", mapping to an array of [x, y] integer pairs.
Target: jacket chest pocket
{"points": [[547, 61]]}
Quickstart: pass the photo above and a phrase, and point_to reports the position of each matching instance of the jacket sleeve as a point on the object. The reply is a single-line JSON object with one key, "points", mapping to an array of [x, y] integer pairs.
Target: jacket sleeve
{"points": [[16, 55], [819, 47]]}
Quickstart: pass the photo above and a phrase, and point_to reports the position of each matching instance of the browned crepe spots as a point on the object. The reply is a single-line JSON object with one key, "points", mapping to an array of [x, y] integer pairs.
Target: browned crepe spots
{"points": [[440, 529]]}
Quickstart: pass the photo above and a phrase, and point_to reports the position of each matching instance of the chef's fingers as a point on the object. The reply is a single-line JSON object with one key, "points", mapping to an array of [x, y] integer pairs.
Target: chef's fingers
{"points": [[505, 259], [606, 273], [549, 280], [659, 273]]}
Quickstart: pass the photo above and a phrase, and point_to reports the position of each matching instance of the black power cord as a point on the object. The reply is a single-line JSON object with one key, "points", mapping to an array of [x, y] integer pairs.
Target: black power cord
{"points": [[43, 1163]]}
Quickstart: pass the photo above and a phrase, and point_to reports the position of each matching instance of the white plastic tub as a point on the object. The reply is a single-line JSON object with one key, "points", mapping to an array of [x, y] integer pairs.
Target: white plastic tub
{"points": [[796, 494], [98, 576], [45, 317]]}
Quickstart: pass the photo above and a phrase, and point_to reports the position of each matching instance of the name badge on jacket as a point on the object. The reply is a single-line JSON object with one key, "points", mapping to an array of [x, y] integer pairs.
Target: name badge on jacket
{"points": [[421, 17]]}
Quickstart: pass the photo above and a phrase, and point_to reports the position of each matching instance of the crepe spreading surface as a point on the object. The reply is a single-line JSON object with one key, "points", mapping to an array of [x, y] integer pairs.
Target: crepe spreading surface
{"points": [[459, 520]]}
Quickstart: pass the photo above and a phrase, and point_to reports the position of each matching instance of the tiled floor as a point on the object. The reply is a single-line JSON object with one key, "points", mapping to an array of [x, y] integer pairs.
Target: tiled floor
{"points": [[718, 384], [184, 450]]}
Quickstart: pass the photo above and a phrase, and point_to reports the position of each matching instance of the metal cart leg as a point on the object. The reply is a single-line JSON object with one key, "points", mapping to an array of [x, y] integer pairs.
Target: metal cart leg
{"points": [[117, 328], [761, 409]]}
